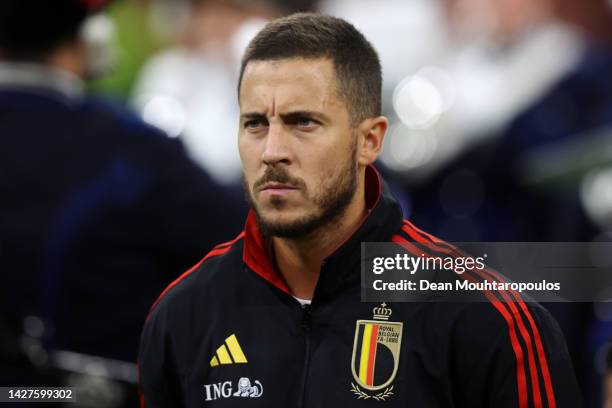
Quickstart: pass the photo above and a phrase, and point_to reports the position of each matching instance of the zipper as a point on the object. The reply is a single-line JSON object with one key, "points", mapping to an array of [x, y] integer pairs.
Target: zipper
{"points": [[306, 329]]}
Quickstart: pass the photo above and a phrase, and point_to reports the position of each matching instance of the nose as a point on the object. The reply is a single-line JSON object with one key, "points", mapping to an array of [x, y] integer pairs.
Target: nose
{"points": [[276, 149]]}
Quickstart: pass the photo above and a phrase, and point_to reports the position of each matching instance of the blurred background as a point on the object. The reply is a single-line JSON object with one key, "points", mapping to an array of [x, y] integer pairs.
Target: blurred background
{"points": [[118, 153]]}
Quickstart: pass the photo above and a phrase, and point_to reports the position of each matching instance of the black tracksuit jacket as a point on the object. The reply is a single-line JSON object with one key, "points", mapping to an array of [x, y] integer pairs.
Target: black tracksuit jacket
{"points": [[228, 333]]}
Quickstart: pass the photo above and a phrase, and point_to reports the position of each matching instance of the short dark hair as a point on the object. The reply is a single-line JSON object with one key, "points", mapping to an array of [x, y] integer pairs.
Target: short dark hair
{"points": [[31, 29], [313, 36]]}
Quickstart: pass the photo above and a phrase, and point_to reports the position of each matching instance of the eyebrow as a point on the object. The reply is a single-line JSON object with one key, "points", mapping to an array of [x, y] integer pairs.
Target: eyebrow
{"points": [[304, 113], [287, 115], [252, 115]]}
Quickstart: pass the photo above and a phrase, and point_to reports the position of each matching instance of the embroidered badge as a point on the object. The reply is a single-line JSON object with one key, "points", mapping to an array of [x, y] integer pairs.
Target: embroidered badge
{"points": [[376, 352]]}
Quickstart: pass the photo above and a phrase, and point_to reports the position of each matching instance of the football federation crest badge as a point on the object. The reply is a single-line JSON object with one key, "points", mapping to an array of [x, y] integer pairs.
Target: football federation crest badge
{"points": [[376, 353]]}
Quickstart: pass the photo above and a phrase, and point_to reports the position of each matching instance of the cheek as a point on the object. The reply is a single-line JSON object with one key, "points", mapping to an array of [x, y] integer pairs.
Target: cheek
{"points": [[249, 154], [242, 147], [325, 168]]}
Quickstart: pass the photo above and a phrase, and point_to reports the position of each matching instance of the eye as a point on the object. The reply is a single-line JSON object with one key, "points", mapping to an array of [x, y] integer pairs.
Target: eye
{"points": [[305, 123], [254, 125]]}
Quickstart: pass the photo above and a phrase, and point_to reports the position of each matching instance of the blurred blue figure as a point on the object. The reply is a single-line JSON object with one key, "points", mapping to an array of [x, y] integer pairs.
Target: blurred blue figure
{"points": [[98, 211]]}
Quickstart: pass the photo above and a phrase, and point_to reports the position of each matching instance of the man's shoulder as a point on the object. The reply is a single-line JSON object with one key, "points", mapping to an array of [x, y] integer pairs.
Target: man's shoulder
{"points": [[107, 113], [507, 315], [211, 274], [484, 313], [408, 232]]}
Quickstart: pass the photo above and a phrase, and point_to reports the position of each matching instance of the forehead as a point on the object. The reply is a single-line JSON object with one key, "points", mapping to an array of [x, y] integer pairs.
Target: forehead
{"points": [[289, 84]]}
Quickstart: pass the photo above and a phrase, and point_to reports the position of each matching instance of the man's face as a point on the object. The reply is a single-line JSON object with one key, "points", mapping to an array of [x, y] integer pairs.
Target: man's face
{"points": [[297, 145]]}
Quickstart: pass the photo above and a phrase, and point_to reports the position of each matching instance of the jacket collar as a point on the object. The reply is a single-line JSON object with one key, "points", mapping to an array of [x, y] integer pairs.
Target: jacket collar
{"points": [[37, 78], [342, 267]]}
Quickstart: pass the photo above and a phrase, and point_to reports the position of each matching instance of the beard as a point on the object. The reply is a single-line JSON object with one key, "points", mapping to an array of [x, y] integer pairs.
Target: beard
{"points": [[336, 193]]}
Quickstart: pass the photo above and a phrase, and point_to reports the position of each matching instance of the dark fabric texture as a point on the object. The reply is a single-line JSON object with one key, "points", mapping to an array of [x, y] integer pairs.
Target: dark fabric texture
{"points": [[98, 213], [451, 355]]}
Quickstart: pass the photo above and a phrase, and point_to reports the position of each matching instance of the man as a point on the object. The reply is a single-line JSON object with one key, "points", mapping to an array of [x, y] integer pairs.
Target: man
{"points": [[99, 212], [277, 307]]}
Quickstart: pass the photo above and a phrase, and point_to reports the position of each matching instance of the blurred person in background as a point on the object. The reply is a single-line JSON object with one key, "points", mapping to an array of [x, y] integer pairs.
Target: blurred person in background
{"points": [[189, 89], [498, 188], [98, 210], [539, 123]]}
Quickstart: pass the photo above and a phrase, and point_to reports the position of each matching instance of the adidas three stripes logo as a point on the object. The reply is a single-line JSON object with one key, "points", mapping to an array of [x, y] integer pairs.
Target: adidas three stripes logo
{"points": [[229, 352]]}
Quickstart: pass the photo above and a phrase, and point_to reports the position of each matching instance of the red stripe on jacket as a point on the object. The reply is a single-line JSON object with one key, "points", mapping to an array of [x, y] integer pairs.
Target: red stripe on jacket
{"points": [[536, 334], [440, 246]]}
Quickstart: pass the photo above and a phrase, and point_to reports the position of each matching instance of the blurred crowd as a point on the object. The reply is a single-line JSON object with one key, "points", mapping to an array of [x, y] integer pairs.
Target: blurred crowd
{"points": [[119, 167]]}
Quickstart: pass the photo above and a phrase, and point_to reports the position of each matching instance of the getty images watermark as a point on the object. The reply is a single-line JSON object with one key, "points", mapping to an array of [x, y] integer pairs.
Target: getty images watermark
{"points": [[546, 272]]}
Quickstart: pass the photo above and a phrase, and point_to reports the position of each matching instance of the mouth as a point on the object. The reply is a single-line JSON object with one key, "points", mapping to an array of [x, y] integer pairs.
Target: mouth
{"points": [[277, 188]]}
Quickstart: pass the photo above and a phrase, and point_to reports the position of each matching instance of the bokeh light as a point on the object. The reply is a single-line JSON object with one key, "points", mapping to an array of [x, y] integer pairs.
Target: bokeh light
{"points": [[166, 113]]}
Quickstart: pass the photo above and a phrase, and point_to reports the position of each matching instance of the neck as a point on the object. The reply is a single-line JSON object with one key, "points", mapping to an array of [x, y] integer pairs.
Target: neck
{"points": [[299, 259], [69, 57]]}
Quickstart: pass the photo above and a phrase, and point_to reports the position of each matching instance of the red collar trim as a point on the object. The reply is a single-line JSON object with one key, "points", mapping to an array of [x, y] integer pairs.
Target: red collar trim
{"points": [[256, 255]]}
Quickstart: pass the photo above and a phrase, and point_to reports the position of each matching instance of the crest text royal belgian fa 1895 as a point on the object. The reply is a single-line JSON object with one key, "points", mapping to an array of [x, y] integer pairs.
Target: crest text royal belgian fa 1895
{"points": [[376, 353]]}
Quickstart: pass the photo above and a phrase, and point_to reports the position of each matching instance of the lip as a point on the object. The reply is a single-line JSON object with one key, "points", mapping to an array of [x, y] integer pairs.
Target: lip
{"points": [[277, 188]]}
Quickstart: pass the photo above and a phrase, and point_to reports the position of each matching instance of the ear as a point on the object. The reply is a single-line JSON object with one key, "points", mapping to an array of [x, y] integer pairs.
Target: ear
{"points": [[371, 135]]}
